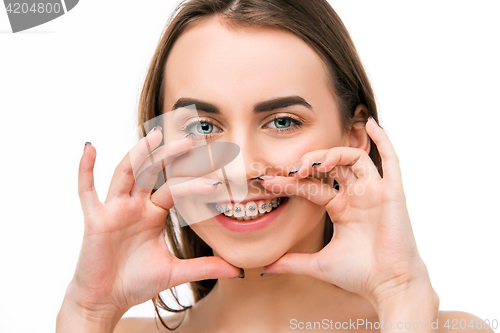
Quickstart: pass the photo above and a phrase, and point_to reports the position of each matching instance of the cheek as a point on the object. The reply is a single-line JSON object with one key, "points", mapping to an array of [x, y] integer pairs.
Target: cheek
{"points": [[307, 225]]}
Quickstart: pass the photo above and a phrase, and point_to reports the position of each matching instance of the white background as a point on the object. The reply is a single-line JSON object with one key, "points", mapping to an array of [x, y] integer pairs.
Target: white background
{"points": [[434, 68]]}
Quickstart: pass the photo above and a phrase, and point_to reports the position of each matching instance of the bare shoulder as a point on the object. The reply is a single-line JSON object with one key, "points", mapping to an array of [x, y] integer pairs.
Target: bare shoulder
{"points": [[147, 325], [463, 322]]}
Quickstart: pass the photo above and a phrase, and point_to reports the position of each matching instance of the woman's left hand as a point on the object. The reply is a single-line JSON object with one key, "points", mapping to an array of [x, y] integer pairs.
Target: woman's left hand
{"points": [[373, 252]]}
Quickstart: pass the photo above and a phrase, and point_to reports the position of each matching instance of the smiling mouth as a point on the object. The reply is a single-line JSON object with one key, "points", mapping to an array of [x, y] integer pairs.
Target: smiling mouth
{"points": [[250, 210]]}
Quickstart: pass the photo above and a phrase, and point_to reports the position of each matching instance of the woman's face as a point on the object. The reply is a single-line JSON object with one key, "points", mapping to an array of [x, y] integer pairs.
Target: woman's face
{"points": [[236, 69]]}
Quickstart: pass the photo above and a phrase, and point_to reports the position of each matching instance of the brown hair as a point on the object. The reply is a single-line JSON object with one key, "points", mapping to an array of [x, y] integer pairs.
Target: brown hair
{"points": [[318, 25]]}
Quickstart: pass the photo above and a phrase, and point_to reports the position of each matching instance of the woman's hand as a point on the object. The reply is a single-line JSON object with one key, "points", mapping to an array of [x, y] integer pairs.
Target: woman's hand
{"points": [[373, 251], [124, 259]]}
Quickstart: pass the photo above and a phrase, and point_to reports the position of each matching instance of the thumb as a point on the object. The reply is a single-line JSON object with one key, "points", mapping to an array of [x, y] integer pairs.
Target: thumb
{"points": [[203, 268], [296, 263]]}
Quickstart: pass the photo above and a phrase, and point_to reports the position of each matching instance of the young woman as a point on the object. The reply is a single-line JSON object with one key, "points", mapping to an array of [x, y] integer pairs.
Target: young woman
{"points": [[332, 244]]}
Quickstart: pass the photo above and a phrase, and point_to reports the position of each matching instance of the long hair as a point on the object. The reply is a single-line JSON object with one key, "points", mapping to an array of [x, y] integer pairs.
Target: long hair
{"points": [[319, 26]]}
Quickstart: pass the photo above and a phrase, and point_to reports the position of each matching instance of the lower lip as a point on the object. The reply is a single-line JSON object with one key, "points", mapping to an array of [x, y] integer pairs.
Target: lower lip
{"points": [[251, 225]]}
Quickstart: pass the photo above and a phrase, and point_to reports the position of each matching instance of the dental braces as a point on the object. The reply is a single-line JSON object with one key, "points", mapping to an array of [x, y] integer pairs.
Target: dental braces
{"points": [[272, 204]]}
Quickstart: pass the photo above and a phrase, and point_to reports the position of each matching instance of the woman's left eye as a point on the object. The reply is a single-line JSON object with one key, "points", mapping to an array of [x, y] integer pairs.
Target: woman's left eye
{"points": [[283, 124]]}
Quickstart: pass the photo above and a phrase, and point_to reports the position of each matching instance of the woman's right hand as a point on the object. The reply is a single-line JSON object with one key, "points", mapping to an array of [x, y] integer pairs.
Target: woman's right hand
{"points": [[124, 259]]}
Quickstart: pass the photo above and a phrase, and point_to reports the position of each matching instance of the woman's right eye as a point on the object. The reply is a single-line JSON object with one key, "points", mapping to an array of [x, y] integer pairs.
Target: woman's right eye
{"points": [[203, 128]]}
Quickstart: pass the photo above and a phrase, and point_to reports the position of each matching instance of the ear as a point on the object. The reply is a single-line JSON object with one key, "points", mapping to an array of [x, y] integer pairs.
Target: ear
{"points": [[357, 136]]}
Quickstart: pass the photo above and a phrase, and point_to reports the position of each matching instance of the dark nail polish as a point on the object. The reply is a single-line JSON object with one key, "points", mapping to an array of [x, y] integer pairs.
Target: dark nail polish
{"points": [[373, 120], [295, 169], [336, 185], [318, 162], [154, 129], [267, 274], [86, 143], [211, 182], [258, 178], [240, 276], [182, 137]]}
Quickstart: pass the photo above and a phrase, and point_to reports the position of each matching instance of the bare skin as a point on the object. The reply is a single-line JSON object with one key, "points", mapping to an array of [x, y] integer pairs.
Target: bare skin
{"points": [[262, 57], [236, 69]]}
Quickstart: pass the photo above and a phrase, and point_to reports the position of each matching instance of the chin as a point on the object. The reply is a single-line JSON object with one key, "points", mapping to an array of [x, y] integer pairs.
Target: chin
{"points": [[250, 259], [291, 230]]}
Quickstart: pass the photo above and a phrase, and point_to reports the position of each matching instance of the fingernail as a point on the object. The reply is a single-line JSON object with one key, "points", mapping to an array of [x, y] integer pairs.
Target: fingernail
{"points": [[154, 129], [182, 137], [212, 182], [295, 169], [240, 276], [318, 162], [86, 143], [373, 120], [264, 177], [267, 274]]}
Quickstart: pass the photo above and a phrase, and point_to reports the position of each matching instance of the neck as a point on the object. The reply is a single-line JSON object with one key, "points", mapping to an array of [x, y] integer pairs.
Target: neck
{"points": [[271, 303]]}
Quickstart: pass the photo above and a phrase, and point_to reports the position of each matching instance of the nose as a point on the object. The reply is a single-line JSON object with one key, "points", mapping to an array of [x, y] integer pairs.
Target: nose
{"points": [[247, 165]]}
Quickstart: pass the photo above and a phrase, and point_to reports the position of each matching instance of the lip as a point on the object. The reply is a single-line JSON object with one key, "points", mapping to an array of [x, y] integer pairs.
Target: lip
{"points": [[252, 199], [251, 225]]}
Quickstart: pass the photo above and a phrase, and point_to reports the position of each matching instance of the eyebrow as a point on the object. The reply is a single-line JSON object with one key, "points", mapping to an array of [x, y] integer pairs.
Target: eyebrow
{"points": [[270, 105]]}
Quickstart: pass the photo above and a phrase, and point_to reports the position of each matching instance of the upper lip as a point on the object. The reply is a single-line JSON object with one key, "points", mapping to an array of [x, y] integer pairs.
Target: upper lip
{"points": [[251, 199]]}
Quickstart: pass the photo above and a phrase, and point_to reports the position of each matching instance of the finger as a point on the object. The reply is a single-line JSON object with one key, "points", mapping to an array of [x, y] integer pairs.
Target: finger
{"points": [[356, 159], [296, 263], [187, 270], [312, 189], [308, 167], [86, 189], [147, 174], [390, 160], [343, 175], [123, 177], [165, 196]]}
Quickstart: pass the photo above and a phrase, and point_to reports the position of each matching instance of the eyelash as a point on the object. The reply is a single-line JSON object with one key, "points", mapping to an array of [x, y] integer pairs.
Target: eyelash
{"points": [[197, 121], [294, 127]]}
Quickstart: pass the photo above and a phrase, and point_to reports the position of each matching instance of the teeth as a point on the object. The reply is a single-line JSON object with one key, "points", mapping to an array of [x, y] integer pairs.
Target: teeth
{"points": [[251, 208], [239, 210], [228, 210], [262, 206], [249, 211]]}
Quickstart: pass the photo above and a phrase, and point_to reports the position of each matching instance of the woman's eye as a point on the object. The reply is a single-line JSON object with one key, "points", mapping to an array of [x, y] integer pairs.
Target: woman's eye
{"points": [[281, 123], [203, 128]]}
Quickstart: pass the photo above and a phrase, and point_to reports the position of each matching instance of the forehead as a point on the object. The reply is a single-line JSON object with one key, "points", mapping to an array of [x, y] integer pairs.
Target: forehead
{"points": [[242, 65]]}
